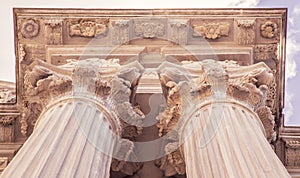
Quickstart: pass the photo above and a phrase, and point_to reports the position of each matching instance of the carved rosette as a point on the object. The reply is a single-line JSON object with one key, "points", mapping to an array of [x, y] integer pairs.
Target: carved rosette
{"points": [[246, 33], [149, 29], [88, 28], [211, 30], [269, 29], [53, 32], [121, 32], [173, 163], [178, 32], [29, 28]]}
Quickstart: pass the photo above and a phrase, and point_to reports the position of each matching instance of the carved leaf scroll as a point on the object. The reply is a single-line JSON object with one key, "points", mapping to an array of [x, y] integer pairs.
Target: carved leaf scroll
{"points": [[87, 28], [211, 30]]}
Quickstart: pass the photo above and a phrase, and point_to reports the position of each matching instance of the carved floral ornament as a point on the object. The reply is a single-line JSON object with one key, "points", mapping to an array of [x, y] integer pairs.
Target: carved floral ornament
{"points": [[87, 28], [7, 120], [149, 29], [211, 30], [269, 29], [30, 28]]}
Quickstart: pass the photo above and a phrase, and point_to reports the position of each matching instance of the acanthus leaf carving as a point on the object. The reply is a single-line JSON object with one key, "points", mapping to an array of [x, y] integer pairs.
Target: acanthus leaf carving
{"points": [[149, 29], [41, 84], [173, 163], [88, 28], [211, 30]]}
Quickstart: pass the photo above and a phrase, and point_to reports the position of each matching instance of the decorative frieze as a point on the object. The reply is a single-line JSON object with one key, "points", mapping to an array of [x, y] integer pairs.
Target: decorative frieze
{"points": [[121, 32], [87, 28], [211, 30], [53, 32], [29, 28], [149, 29], [246, 33]]}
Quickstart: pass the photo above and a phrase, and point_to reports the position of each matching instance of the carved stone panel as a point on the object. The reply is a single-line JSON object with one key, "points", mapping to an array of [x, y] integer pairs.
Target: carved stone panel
{"points": [[7, 123], [149, 28], [292, 153], [246, 32], [265, 52], [121, 32], [53, 32], [178, 31]]}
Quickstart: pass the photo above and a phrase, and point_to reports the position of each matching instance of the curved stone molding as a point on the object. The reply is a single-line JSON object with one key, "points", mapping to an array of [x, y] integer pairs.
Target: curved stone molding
{"points": [[269, 29], [30, 28], [87, 28], [211, 30]]}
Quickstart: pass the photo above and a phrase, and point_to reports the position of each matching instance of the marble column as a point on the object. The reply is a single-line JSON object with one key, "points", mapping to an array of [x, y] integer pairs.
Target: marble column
{"points": [[74, 137]]}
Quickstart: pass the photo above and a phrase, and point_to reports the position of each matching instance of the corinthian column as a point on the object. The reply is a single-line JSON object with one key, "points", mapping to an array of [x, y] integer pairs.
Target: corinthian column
{"points": [[78, 133], [224, 124]]}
